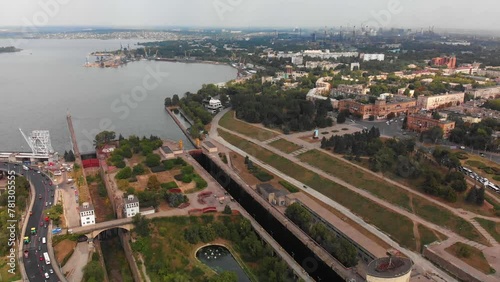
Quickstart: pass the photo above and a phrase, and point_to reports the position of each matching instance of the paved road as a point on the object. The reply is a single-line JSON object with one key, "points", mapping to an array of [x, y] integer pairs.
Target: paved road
{"points": [[36, 268]]}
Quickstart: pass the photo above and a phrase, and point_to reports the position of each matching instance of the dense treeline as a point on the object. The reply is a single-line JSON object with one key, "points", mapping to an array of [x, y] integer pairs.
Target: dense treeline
{"points": [[476, 135], [188, 231], [400, 158], [492, 104], [338, 247], [366, 142], [285, 109]]}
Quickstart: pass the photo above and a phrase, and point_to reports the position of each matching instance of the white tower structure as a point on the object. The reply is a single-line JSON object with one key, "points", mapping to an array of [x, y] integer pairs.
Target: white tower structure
{"points": [[39, 142]]}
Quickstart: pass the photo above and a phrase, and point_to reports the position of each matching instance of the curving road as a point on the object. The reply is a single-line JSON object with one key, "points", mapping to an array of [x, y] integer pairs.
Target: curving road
{"points": [[36, 268]]}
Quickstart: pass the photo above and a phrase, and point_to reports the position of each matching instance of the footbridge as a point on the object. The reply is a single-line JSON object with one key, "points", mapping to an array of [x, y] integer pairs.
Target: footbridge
{"points": [[91, 231]]}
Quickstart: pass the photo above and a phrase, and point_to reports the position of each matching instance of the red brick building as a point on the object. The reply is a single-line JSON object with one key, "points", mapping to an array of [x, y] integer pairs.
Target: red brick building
{"points": [[380, 109], [450, 62], [420, 123]]}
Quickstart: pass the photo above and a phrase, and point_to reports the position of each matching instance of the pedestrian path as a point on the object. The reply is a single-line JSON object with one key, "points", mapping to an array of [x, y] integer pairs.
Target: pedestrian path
{"points": [[299, 151], [272, 140], [487, 235]]}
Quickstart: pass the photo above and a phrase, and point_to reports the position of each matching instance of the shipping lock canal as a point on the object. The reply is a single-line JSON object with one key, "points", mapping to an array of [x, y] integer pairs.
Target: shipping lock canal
{"points": [[313, 265]]}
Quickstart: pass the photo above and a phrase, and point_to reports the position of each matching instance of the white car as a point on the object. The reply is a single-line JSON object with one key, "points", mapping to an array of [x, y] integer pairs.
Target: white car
{"points": [[51, 271], [462, 147], [47, 275]]}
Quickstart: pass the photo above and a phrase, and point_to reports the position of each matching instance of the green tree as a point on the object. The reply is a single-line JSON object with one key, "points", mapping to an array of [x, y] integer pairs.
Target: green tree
{"points": [[103, 138], [138, 169], [227, 210], [152, 160], [175, 100], [153, 183], [124, 173], [141, 224], [93, 271]]}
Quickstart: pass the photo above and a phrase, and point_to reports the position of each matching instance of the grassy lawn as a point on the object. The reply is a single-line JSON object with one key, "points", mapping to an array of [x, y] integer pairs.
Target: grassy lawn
{"points": [[427, 236], [492, 227], [470, 255], [391, 193], [5, 275], [399, 227], [446, 219], [285, 146], [254, 132], [357, 178]]}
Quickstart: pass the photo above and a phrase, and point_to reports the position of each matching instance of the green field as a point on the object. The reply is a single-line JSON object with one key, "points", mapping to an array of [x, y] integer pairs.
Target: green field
{"points": [[492, 227], [446, 219], [254, 132], [426, 236], [391, 193], [357, 178], [470, 255], [399, 227], [285, 146]]}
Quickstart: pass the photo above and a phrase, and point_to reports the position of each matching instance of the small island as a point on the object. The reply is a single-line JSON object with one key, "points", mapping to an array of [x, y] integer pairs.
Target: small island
{"points": [[9, 49]]}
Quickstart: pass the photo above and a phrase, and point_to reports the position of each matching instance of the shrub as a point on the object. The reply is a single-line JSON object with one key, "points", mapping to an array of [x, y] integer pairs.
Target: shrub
{"points": [[159, 168], [187, 178], [488, 170], [291, 188], [200, 182], [138, 169], [180, 161], [496, 177], [120, 164], [187, 170], [169, 185], [122, 184], [227, 210], [132, 179], [263, 176], [152, 160], [124, 173], [168, 164]]}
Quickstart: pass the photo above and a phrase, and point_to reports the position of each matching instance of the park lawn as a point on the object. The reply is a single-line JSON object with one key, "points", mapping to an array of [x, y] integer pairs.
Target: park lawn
{"points": [[285, 146], [492, 227], [428, 236], [443, 217], [399, 227], [357, 178], [229, 122], [5, 275], [391, 193], [475, 258]]}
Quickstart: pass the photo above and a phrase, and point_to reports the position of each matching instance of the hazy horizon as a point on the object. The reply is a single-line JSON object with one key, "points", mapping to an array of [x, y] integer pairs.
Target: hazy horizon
{"points": [[310, 14]]}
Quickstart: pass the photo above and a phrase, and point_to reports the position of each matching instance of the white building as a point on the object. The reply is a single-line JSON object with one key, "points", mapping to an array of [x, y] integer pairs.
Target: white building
{"points": [[214, 105], [87, 214], [298, 60], [131, 206], [372, 57]]}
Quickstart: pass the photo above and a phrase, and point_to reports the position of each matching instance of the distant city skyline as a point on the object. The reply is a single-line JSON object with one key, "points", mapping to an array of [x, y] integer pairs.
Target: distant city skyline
{"points": [[442, 14]]}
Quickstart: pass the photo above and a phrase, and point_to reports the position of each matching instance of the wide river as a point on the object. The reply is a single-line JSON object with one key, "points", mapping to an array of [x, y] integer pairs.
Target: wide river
{"points": [[39, 85]]}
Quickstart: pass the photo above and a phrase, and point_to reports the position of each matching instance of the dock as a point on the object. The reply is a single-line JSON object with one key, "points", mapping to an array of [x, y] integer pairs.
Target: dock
{"points": [[179, 124]]}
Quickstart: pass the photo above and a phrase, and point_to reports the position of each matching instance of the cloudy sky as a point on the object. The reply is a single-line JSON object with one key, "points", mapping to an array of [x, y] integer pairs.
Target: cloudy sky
{"points": [[462, 14]]}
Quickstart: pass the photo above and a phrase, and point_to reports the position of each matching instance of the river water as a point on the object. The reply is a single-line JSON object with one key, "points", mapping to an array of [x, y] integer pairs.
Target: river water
{"points": [[39, 85]]}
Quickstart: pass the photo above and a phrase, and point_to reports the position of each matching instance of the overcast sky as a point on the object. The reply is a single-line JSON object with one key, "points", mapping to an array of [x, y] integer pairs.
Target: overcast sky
{"points": [[462, 14]]}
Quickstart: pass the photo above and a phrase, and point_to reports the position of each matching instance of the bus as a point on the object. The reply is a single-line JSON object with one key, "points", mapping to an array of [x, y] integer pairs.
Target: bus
{"points": [[46, 257]]}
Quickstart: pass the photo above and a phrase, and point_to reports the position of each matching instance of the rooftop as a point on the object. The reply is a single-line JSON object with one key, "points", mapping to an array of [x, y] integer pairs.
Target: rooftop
{"points": [[166, 149], [86, 207], [130, 199], [389, 267], [271, 189]]}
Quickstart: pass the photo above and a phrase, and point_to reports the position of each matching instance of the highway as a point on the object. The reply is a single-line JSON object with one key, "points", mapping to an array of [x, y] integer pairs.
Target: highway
{"points": [[34, 264]]}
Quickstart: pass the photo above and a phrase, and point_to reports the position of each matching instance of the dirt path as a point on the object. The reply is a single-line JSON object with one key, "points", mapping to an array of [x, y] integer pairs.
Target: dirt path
{"points": [[418, 243]]}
